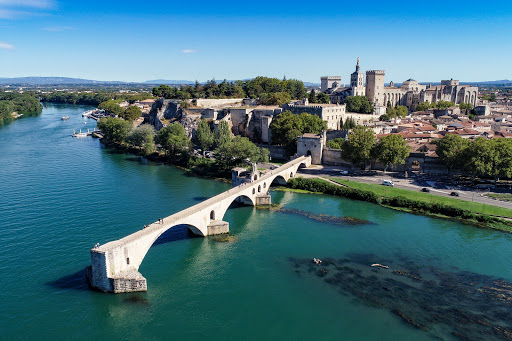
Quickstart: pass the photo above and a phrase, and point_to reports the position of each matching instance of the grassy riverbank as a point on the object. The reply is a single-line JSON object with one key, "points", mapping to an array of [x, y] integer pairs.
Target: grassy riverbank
{"points": [[402, 203], [392, 192]]}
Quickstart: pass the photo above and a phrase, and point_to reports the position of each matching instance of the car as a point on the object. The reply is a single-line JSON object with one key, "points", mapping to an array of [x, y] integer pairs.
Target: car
{"points": [[345, 172], [425, 189], [454, 194], [388, 183]]}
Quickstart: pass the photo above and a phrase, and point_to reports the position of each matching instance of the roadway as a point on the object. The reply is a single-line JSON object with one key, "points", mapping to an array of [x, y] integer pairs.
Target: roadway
{"points": [[412, 183]]}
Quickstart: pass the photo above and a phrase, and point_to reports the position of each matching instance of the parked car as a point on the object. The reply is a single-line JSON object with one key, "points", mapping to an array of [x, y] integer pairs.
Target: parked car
{"points": [[425, 189], [388, 183], [345, 172], [454, 194]]}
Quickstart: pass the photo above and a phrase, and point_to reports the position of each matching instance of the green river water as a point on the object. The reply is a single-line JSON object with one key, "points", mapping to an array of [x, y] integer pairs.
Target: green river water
{"points": [[60, 195]]}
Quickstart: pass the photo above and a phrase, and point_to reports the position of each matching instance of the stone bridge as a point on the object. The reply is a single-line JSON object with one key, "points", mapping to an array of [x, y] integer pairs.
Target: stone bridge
{"points": [[114, 266]]}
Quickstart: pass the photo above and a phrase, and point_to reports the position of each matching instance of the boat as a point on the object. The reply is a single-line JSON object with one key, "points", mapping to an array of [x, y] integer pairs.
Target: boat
{"points": [[64, 118], [80, 134]]}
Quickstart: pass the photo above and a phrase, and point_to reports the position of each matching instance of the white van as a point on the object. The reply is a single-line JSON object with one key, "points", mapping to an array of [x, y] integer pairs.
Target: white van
{"points": [[388, 183]]}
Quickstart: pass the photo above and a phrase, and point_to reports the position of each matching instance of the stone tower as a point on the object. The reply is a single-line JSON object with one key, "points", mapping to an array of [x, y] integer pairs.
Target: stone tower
{"points": [[375, 86], [328, 81], [357, 81]]}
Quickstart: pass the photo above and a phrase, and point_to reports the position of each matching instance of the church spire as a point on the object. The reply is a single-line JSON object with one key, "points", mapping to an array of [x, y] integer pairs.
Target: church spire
{"points": [[357, 66]]}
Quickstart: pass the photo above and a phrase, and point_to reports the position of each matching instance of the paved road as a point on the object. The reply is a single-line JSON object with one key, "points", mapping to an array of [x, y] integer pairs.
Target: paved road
{"points": [[475, 196]]}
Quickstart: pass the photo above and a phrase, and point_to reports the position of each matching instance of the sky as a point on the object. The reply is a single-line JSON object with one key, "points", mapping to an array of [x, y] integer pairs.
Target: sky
{"points": [[199, 40]]}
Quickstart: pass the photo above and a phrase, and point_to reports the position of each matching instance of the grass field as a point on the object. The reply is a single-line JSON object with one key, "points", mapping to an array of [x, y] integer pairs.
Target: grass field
{"points": [[426, 197], [498, 196]]}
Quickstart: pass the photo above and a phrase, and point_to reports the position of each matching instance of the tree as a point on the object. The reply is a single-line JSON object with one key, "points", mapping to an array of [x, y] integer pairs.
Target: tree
{"points": [[336, 143], [286, 127], [143, 137], [278, 98], [223, 134], [398, 111], [174, 139], [391, 150], [466, 107], [359, 104], [131, 113], [235, 152], [114, 129], [358, 145], [349, 124], [450, 150], [204, 137], [112, 107], [322, 98], [312, 96], [423, 106], [444, 105], [479, 157]]}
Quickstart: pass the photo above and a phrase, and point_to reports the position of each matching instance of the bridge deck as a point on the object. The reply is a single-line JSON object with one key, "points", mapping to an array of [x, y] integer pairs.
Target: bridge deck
{"points": [[176, 217]]}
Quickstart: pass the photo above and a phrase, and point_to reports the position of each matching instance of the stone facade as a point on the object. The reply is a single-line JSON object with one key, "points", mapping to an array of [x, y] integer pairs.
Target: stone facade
{"points": [[329, 82], [375, 87], [331, 113], [357, 87], [311, 145]]}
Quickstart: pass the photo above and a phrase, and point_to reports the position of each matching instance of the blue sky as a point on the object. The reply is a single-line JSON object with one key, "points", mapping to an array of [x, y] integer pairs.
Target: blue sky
{"points": [[137, 41]]}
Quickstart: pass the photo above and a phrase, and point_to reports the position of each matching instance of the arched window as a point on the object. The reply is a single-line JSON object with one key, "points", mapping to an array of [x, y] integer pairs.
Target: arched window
{"points": [[264, 185], [127, 260], [255, 176], [259, 188], [291, 175], [212, 215], [253, 190]]}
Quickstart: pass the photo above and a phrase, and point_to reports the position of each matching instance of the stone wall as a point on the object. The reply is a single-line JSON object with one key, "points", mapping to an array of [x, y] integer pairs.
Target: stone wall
{"points": [[206, 103], [276, 152], [333, 157]]}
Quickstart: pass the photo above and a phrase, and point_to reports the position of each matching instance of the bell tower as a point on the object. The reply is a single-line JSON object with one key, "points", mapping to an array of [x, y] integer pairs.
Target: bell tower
{"points": [[357, 81]]}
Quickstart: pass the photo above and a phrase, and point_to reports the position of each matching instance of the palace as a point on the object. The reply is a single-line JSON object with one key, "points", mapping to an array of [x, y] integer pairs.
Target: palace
{"points": [[410, 93]]}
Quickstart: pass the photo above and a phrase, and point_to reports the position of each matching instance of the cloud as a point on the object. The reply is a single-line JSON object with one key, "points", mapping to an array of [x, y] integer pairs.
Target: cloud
{"points": [[13, 9], [189, 51], [28, 3], [58, 28], [6, 46]]}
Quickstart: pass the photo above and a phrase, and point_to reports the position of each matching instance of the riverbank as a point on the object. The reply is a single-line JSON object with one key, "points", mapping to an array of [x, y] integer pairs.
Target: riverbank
{"points": [[196, 166], [426, 197], [433, 209]]}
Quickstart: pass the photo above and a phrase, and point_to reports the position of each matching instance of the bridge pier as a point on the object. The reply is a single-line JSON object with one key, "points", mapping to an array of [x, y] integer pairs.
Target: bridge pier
{"points": [[263, 199], [218, 227]]}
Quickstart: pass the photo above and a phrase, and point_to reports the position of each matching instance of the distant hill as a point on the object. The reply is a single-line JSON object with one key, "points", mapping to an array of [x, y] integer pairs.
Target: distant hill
{"points": [[500, 82], [167, 81], [52, 80]]}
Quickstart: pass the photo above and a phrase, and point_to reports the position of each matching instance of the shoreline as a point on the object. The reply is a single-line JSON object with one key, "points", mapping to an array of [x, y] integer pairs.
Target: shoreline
{"points": [[480, 220]]}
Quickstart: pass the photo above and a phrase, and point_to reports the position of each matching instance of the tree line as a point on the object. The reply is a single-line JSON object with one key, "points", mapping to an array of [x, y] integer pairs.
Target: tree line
{"points": [[90, 98], [480, 157], [361, 146], [25, 104], [229, 152], [271, 91]]}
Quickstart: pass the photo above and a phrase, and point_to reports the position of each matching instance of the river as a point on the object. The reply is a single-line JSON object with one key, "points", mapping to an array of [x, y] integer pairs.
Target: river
{"points": [[60, 195]]}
